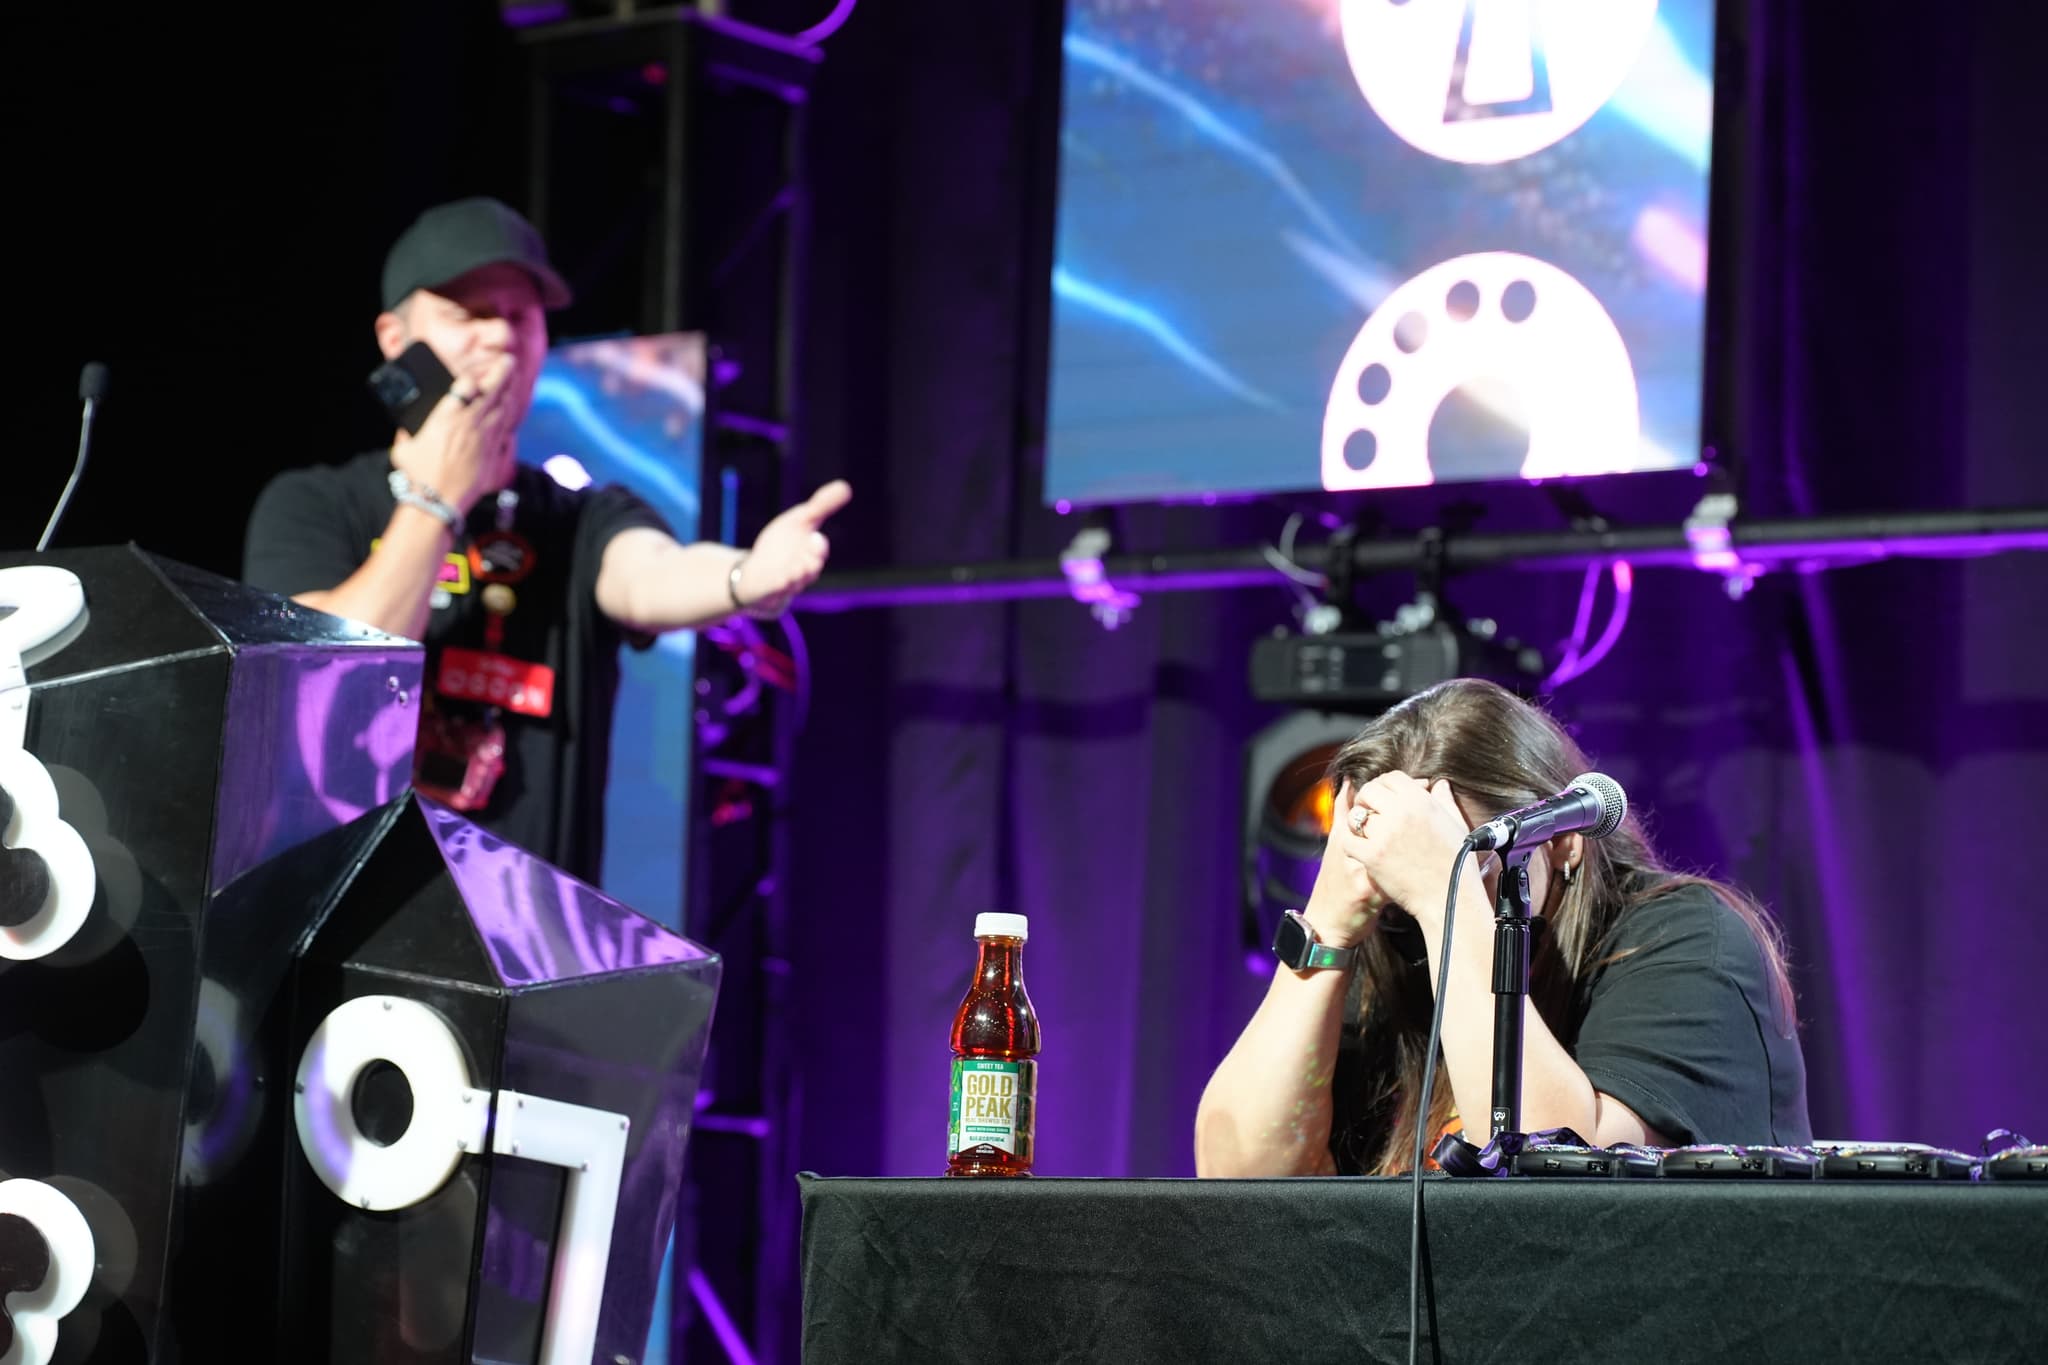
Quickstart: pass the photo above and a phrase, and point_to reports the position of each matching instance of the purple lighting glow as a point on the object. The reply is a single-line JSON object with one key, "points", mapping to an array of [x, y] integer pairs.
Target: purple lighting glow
{"points": [[829, 25], [1674, 246], [327, 697], [722, 1325], [539, 12]]}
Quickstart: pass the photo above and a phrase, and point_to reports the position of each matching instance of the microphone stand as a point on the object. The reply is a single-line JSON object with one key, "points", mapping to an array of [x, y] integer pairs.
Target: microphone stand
{"points": [[1512, 926], [92, 388]]}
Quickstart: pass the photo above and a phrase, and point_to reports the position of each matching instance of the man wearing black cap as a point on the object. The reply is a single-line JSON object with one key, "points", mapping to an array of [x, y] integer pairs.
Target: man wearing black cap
{"points": [[521, 590]]}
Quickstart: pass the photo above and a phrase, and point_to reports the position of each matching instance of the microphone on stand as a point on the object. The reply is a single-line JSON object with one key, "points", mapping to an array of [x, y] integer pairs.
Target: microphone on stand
{"points": [[1593, 804], [92, 391]]}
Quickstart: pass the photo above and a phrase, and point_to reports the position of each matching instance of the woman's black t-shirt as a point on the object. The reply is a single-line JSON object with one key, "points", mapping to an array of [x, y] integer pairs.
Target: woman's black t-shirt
{"points": [[1682, 1024]]}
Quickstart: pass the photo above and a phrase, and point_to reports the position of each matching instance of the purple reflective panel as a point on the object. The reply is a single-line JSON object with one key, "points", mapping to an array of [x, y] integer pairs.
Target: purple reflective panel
{"points": [[538, 923], [313, 737], [631, 1045]]}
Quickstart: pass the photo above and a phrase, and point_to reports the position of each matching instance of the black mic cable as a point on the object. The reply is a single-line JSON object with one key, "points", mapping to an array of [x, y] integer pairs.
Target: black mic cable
{"points": [[92, 390], [1436, 1033]]}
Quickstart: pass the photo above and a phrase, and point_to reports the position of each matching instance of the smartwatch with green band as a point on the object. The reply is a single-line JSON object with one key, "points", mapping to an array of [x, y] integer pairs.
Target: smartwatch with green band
{"points": [[1296, 945]]}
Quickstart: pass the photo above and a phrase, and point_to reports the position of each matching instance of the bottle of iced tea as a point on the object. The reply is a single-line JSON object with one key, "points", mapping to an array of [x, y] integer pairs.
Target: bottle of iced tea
{"points": [[995, 1046]]}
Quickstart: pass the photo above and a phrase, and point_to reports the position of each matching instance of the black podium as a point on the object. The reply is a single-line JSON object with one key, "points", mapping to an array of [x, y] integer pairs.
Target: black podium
{"points": [[247, 977], [549, 1041]]}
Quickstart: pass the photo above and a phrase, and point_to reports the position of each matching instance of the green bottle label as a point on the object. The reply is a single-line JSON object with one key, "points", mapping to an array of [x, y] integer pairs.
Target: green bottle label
{"points": [[992, 1103]]}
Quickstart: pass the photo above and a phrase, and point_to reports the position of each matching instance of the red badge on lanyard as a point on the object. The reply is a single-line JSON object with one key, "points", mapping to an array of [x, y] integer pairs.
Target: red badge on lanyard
{"points": [[460, 758], [496, 680]]}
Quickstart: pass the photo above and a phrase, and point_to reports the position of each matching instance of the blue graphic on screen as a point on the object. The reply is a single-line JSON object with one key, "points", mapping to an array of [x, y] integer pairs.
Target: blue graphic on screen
{"points": [[1356, 244], [630, 411]]}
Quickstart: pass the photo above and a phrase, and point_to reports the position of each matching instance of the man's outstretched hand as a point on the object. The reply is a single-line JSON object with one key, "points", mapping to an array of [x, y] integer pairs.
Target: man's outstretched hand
{"points": [[791, 551]]}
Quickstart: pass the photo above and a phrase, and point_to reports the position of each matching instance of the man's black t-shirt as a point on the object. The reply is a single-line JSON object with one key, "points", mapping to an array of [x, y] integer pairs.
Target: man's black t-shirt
{"points": [[1681, 1024], [537, 552]]}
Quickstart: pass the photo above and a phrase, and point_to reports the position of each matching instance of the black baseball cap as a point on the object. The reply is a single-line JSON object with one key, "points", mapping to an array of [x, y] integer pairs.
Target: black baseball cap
{"points": [[455, 238]]}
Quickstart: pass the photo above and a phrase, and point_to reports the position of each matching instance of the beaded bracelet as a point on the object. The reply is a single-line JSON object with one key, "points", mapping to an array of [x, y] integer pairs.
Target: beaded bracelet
{"points": [[426, 500]]}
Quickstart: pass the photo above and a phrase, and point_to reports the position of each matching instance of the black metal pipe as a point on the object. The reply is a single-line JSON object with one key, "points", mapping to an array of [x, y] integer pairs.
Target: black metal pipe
{"points": [[1838, 540]]}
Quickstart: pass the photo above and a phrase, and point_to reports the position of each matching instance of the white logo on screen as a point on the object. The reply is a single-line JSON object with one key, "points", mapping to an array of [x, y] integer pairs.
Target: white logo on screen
{"points": [[1484, 81], [1522, 336]]}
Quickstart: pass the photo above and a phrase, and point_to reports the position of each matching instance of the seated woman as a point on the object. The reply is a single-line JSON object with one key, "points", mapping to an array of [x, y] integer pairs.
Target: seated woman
{"points": [[1659, 1010]]}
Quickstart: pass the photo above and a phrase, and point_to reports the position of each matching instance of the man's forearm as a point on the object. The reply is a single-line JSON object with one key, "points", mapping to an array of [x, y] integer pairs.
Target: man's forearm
{"points": [[393, 587], [649, 582]]}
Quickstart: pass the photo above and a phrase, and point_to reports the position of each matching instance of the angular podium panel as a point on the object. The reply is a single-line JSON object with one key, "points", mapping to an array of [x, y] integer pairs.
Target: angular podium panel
{"points": [[496, 1070], [191, 735]]}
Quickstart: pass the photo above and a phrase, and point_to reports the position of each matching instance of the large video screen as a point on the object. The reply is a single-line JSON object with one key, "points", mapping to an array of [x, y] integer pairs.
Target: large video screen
{"points": [[630, 410], [1355, 244]]}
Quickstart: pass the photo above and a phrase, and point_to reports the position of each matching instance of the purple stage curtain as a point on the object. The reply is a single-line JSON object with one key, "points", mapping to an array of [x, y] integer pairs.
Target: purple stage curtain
{"points": [[1866, 750]]}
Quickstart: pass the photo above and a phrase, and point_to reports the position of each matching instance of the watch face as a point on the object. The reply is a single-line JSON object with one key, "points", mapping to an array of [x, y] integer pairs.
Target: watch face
{"points": [[1291, 941]]}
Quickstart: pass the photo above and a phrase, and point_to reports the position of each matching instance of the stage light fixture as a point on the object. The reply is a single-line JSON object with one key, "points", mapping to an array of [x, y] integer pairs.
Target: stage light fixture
{"points": [[1287, 811], [1372, 669], [1344, 669]]}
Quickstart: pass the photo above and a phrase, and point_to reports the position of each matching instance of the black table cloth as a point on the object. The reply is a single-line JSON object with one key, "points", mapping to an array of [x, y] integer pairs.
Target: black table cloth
{"points": [[1647, 1271]]}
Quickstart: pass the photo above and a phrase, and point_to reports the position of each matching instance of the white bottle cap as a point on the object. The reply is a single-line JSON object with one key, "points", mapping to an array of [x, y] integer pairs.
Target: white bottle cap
{"points": [[1002, 926]]}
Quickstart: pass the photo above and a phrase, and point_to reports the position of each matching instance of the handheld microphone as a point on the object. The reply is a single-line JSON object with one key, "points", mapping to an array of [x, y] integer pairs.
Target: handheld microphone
{"points": [[92, 391], [1593, 805]]}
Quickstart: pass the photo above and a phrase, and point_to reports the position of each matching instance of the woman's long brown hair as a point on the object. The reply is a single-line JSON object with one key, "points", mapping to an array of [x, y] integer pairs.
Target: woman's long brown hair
{"points": [[1498, 753]]}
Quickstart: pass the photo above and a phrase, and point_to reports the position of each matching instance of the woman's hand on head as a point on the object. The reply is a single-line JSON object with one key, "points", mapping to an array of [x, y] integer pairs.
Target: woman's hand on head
{"points": [[1405, 837], [1345, 901]]}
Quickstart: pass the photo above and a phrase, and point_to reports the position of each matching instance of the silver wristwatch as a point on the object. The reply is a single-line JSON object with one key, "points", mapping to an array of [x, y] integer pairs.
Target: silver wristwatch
{"points": [[1296, 945]]}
